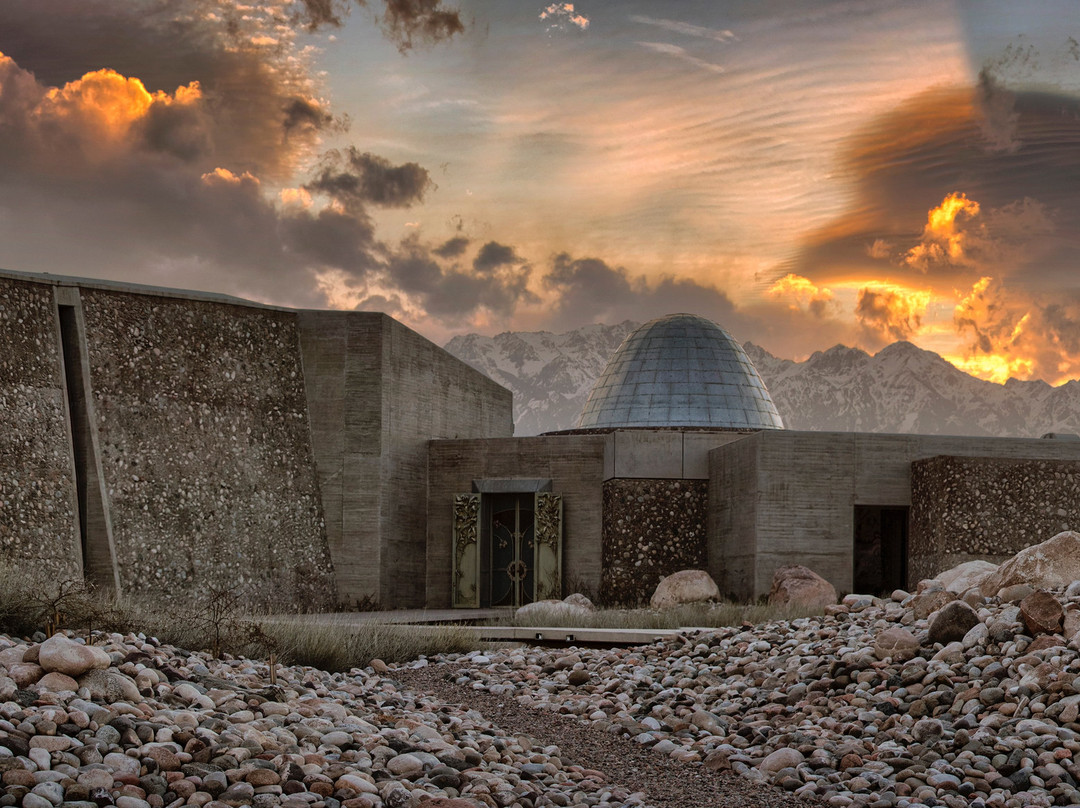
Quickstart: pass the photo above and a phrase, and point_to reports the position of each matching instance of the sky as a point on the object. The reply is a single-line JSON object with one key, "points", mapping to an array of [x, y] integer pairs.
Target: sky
{"points": [[804, 173]]}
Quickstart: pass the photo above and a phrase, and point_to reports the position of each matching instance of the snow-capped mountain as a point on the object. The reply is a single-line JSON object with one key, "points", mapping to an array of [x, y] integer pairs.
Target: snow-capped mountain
{"points": [[902, 388], [550, 374]]}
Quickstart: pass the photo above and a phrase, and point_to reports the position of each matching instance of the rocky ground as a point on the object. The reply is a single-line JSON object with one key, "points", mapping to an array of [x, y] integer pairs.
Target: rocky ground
{"points": [[915, 700]]}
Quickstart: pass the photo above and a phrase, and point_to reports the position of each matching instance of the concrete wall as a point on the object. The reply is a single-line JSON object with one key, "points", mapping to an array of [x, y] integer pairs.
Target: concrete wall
{"points": [[988, 508], [805, 486], [651, 528], [662, 454], [575, 465], [377, 392], [38, 510]]}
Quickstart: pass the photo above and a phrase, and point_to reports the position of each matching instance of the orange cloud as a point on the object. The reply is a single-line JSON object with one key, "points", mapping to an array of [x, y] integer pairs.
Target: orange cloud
{"points": [[943, 241], [806, 294], [107, 103], [98, 117], [1014, 334], [887, 313]]}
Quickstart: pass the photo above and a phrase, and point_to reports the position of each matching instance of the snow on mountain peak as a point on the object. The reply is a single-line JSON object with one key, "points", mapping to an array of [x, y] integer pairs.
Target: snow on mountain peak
{"points": [[902, 388]]}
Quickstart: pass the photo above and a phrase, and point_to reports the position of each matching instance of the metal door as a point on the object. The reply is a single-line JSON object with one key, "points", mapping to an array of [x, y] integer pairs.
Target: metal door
{"points": [[512, 577]]}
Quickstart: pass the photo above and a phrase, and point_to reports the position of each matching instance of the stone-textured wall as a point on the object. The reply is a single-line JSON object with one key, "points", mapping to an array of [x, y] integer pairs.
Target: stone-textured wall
{"points": [[651, 528], [38, 515], [966, 508], [205, 448]]}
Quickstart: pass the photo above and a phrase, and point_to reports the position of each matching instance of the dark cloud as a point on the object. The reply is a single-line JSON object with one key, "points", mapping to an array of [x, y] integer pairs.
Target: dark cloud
{"points": [[404, 22], [589, 290], [360, 178], [452, 248], [450, 293], [494, 255], [407, 22]]}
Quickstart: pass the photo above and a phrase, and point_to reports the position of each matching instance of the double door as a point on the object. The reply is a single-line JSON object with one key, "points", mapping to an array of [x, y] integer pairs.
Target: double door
{"points": [[507, 549]]}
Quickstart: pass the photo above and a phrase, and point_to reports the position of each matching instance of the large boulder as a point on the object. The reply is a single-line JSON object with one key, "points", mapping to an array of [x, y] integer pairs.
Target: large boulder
{"points": [[60, 654], [685, 586], [1052, 564], [796, 585], [965, 576], [553, 610]]}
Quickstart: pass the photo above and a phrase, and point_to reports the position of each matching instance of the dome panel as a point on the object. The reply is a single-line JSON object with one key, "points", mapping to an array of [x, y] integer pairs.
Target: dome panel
{"points": [[682, 371]]}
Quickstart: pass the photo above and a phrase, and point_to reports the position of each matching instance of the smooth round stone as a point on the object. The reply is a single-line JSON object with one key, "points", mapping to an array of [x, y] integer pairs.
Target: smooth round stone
{"points": [[32, 800], [53, 792], [131, 802], [336, 738], [404, 765]]}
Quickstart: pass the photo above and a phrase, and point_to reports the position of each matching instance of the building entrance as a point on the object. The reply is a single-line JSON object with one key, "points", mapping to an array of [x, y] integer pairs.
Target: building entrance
{"points": [[880, 549], [507, 548]]}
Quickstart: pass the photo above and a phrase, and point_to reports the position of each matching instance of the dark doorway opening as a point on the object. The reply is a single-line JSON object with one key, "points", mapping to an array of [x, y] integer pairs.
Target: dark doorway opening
{"points": [[880, 548], [507, 577], [93, 529]]}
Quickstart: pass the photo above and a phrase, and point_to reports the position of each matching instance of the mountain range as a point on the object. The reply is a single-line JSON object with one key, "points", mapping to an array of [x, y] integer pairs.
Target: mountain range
{"points": [[900, 389]]}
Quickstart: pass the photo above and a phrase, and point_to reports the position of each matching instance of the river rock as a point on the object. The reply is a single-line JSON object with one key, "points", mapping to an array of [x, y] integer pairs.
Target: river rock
{"points": [[952, 622], [1041, 613], [63, 655], [930, 601], [110, 686], [1053, 563], [896, 643], [797, 585], [685, 586]]}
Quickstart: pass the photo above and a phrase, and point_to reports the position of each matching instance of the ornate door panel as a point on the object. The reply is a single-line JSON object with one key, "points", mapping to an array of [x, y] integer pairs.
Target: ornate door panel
{"points": [[466, 562], [547, 553], [512, 529]]}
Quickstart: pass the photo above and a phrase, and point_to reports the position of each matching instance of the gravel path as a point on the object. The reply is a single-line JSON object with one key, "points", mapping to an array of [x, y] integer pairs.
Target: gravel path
{"points": [[658, 780]]}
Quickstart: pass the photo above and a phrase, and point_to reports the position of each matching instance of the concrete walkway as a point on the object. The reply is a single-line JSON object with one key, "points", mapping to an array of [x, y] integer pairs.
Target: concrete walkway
{"points": [[400, 616], [525, 634]]}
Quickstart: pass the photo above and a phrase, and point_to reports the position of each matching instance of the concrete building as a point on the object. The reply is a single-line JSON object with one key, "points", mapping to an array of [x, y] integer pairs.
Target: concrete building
{"points": [[159, 442]]}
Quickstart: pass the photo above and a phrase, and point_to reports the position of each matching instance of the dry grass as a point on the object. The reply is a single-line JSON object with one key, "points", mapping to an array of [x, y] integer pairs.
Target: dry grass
{"points": [[688, 616], [342, 644], [216, 621]]}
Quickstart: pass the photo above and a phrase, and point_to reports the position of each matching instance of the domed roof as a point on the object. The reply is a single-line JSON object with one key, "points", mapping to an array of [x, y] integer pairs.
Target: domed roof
{"points": [[680, 370]]}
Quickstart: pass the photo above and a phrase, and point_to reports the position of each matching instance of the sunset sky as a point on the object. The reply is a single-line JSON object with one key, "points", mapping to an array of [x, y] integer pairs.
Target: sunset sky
{"points": [[804, 173]]}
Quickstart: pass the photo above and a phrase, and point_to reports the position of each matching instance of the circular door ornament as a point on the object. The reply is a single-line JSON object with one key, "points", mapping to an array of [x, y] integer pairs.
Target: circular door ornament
{"points": [[517, 570]]}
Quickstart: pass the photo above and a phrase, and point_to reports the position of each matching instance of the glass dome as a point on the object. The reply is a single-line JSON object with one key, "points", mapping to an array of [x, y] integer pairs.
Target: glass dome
{"points": [[680, 370]]}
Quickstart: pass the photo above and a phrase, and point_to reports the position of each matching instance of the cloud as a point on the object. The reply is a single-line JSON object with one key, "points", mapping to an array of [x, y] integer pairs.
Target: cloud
{"points": [[562, 15], [881, 248], [943, 239], [588, 290], [685, 28], [1017, 332], [404, 22], [999, 120], [492, 256], [683, 55], [887, 314], [804, 293], [452, 248], [355, 179], [407, 22]]}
